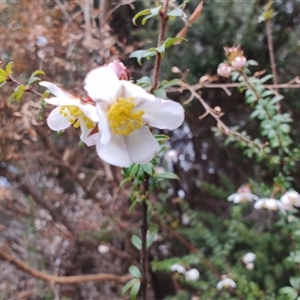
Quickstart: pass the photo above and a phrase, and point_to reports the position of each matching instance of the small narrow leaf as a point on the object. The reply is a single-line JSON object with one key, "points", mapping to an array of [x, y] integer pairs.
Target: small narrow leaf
{"points": [[150, 238], [33, 80], [134, 271], [139, 14], [167, 175], [134, 290], [177, 12], [38, 72], [3, 73], [8, 68], [128, 285], [137, 242], [161, 137]]}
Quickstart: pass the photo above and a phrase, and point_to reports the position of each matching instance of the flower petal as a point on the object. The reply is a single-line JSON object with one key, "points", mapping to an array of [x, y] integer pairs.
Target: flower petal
{"points": [[57, 121], [162, 114], [90, 111], [101, 84], [103, 124], [115, 152], [88, 139], [62, 97], [141, 145]]}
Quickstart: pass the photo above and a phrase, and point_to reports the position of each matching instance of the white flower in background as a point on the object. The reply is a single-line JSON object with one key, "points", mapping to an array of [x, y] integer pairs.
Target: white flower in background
{"points": [[272, 204], [248, 260], [71, 110], [242, 197], [178, 268], [185, 219], [192, 275], [171, 156], [103, 249], [125, 111], [226, 282], [291, 197]]}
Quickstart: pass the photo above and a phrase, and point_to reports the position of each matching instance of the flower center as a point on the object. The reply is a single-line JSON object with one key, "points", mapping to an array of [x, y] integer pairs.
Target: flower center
{"points": [[123, 119], [76, 116]]}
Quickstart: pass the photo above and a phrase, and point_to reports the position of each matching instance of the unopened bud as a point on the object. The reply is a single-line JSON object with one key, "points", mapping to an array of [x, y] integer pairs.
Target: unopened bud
{"points": [[224, 70], [239, 62], [121, 71]]}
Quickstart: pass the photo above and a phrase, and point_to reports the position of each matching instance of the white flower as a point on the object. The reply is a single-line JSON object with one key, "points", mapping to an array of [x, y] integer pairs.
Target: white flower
{"points": [[242, 197], [248, 258], [226, 282], [272, 204], [291, 197], [124, 111], [192, 275], [103, 249], [178, 268], [171, 156], [71, 110]]}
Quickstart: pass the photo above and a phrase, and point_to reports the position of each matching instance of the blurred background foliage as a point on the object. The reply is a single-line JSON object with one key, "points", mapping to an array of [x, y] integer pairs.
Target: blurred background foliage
{"points": [[47, 180]]}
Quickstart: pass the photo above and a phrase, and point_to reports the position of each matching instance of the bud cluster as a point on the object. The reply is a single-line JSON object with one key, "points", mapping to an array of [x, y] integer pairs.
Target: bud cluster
{"points": [[235, 61]]}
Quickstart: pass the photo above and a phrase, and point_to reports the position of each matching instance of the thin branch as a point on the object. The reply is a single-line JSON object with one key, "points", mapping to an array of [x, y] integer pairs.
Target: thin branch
{"points": [[271, 52], [4, 254], [161, 36]]}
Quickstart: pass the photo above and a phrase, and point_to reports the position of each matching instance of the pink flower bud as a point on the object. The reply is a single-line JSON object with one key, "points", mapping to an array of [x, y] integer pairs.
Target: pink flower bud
{"points": [[120, 70], [239, 62], [224, 70]]}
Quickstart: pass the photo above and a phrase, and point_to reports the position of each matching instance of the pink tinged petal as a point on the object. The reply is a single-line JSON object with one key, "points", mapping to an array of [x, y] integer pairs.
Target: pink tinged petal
{"points": [[88, 139], [162, 114], [57, 91], [133, 90], [141, 145], [63, 101], [57, 121], [103, 124], [90, 111], [115, 152], [101, 84]]}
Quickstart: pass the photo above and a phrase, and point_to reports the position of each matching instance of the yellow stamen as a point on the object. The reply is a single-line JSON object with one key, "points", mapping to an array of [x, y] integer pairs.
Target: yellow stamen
{"points": [[123, 119], [76, 116]]}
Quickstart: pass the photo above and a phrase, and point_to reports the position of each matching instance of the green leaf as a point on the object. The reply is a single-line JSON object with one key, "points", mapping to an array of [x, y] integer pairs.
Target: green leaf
{"points": [[139, 54], [265, 78], [150, 238], [167, 175], [3, 74], [135, 289], [3, 79], [135, 271], [170, 41], [160, 93], [177, 12], [8, 68], [124, 181], [148, 168], [128, 285], [289, 291], [161, 49], [252, 62], [276, 99], [37, 72], [137, 242], [33, 80], [166, 84], [139, 14], [161, 138], [134, 169], [295, 282]]}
